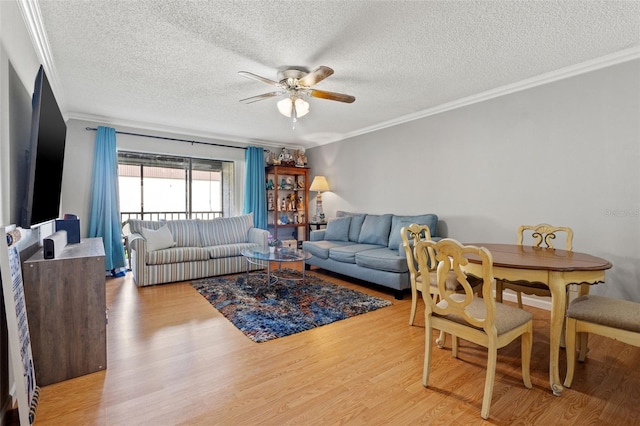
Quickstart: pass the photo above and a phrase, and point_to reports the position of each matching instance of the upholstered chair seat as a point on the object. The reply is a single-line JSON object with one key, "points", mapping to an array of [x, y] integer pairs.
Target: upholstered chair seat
{"points": [[613, 318]]}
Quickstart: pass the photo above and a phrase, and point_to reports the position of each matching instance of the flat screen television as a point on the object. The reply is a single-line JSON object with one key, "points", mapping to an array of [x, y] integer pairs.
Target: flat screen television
{"points": [[45, 157]]}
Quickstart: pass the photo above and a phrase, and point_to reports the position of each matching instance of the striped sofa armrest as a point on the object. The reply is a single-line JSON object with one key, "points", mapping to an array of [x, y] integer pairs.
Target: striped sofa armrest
{"points": [[258, 236], [138, 246]]}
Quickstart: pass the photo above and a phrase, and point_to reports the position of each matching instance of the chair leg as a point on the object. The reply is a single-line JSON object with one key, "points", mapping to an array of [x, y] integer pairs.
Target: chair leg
{"points": [[488, 383], [441, 340], [427, 352], [454, 346], [571, 351], [526, 344], [584, 340], [414, 304]]}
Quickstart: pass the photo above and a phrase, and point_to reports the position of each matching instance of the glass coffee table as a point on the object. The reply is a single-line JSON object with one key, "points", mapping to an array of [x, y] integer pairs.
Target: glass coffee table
{"points": [[263, 258]]}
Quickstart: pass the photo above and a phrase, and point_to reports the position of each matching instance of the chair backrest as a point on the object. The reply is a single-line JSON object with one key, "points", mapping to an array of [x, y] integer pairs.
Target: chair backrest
{"points": [[410, 236], [545, 233], [453, 256]]}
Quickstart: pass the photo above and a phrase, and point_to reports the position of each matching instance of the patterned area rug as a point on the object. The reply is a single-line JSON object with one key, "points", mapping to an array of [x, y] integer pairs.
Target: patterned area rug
{"points": [[264, 312]]}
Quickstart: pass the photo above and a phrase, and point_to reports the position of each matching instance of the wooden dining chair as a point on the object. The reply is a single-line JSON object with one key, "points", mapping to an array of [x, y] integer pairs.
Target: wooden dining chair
{"points": [[464, 315], [613, 318], [410, 236], [542, 233]]}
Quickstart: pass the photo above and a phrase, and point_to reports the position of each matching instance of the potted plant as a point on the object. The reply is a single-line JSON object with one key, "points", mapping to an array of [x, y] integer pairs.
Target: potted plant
{"points": [[273, 243]]}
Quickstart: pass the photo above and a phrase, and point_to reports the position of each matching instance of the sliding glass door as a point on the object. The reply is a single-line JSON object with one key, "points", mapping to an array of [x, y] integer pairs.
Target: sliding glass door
{"points": [[154, 187]]}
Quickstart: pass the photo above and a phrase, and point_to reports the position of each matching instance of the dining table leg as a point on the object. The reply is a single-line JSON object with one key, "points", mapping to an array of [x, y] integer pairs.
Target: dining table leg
{"points": [[558, 289]]}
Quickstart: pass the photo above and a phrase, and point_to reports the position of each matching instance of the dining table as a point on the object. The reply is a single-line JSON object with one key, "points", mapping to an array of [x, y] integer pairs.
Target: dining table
{"points": [[554, 268]]}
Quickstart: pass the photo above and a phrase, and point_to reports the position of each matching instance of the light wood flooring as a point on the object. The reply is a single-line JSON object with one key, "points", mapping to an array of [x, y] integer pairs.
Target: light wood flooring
{"points": [[174, 360]]}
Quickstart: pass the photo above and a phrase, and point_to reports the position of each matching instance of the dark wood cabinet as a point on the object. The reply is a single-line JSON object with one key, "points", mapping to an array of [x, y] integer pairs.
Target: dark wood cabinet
{"points": [[66, 310]]}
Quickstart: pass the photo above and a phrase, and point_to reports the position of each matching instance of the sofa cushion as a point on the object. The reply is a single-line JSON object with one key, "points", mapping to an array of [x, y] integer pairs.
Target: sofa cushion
{"points": [[158, 239], [375, 229], [177, 255], [356, 223], [228, 250], [347, 254], [321, 248], [382, 259], [185, 232], [398, 222], [338, 229], [226, 230]]}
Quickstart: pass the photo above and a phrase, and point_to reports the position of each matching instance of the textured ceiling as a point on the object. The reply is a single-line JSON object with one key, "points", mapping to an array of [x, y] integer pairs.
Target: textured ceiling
{"points": [[172, 65]]}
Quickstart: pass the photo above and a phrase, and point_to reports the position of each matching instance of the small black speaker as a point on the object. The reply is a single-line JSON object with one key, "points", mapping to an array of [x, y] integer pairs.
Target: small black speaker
{"points": [[54, 244]]}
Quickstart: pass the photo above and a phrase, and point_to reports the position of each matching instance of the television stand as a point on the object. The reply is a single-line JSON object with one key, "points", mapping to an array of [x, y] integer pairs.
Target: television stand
{"points": [[66, 310]]}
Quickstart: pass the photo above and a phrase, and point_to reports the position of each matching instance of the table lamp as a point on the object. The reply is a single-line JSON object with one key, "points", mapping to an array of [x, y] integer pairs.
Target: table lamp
{"points": [[319, 184]]}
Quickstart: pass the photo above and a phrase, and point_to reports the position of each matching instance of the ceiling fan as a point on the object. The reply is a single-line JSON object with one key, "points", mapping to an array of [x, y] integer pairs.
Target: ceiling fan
{"points": [[296, 83]]}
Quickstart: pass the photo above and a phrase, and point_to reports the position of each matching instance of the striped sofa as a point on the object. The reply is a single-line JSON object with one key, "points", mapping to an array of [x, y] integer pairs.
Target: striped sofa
{"points": [[195, 248]]}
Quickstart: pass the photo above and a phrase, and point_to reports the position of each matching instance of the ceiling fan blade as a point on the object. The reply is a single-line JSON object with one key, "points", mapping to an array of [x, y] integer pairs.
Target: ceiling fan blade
{"points": [[260, 97], [315, 77], [253, 76], [332, 96]]}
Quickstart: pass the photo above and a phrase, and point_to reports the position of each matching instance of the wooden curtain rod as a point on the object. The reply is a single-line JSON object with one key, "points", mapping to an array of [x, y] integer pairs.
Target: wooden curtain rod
{"points": [[171, 139]]}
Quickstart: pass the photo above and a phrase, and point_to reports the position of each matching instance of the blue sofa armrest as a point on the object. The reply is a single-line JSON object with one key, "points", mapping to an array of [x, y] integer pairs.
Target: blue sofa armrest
{"points": [[317, 235]]}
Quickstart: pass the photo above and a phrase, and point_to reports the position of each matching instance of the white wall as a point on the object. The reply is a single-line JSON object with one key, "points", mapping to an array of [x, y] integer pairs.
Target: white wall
{"points": [[565, 153], [78, 162]]}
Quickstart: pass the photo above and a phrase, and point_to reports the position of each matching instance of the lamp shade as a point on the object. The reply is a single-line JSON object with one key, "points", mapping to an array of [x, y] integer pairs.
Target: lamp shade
{"points": [[285, 106], [319, 184]]}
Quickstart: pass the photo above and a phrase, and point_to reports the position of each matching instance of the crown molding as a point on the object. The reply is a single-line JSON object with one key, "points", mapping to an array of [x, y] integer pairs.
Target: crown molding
{"points": [[30, 10], [625, 55]]}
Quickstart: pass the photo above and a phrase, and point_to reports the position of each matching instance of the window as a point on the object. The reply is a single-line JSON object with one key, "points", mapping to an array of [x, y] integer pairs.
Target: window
{"points": [[154, 187]]}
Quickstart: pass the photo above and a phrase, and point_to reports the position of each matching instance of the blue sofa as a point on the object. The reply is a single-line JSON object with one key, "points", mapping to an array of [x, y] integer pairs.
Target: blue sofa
{"points": [[367, 247]]}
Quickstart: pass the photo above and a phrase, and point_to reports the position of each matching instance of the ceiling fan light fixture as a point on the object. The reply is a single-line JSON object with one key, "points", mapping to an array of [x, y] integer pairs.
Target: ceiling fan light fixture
{"points": [[286, 105]]}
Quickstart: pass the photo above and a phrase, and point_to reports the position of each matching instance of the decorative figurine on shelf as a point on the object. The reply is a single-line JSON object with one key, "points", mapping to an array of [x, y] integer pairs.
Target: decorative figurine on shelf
{"points": [[289, 184], [283, 183], [300, 183], [300, 205], [283, 204], [271, 158], [295, 218], [291, 202], [270, 202], [270, 184], [285, 158], [284, 219], [299, 158]]}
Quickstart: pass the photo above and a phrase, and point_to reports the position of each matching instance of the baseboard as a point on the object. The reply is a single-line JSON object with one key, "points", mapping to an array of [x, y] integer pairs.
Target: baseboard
{"points": [[535, 302]]}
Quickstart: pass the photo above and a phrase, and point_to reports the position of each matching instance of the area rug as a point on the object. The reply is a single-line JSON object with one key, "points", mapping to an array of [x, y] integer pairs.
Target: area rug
{"points": [[267, 311]]}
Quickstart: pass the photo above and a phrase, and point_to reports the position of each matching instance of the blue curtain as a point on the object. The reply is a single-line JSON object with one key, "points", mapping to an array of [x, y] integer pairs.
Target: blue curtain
{"points": [[255, 195], [104, 214]]}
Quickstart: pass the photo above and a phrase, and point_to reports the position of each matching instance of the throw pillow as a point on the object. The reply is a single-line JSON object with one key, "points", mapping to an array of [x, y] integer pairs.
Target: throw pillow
{"points": [[375, 229], [356, 224], [158, 239], [398, 222], [338, 229]]}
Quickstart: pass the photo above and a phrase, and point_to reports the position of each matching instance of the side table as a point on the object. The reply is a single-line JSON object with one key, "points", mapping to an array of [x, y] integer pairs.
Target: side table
{"points": [[317, 225]]}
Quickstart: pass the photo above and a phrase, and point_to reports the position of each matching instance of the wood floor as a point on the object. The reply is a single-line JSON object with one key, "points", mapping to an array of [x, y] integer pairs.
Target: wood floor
{"points": [[173, 359]]}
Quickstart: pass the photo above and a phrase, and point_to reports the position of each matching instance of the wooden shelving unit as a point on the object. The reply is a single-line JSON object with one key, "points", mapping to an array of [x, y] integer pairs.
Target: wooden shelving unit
{"points": [[287, 202]]}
